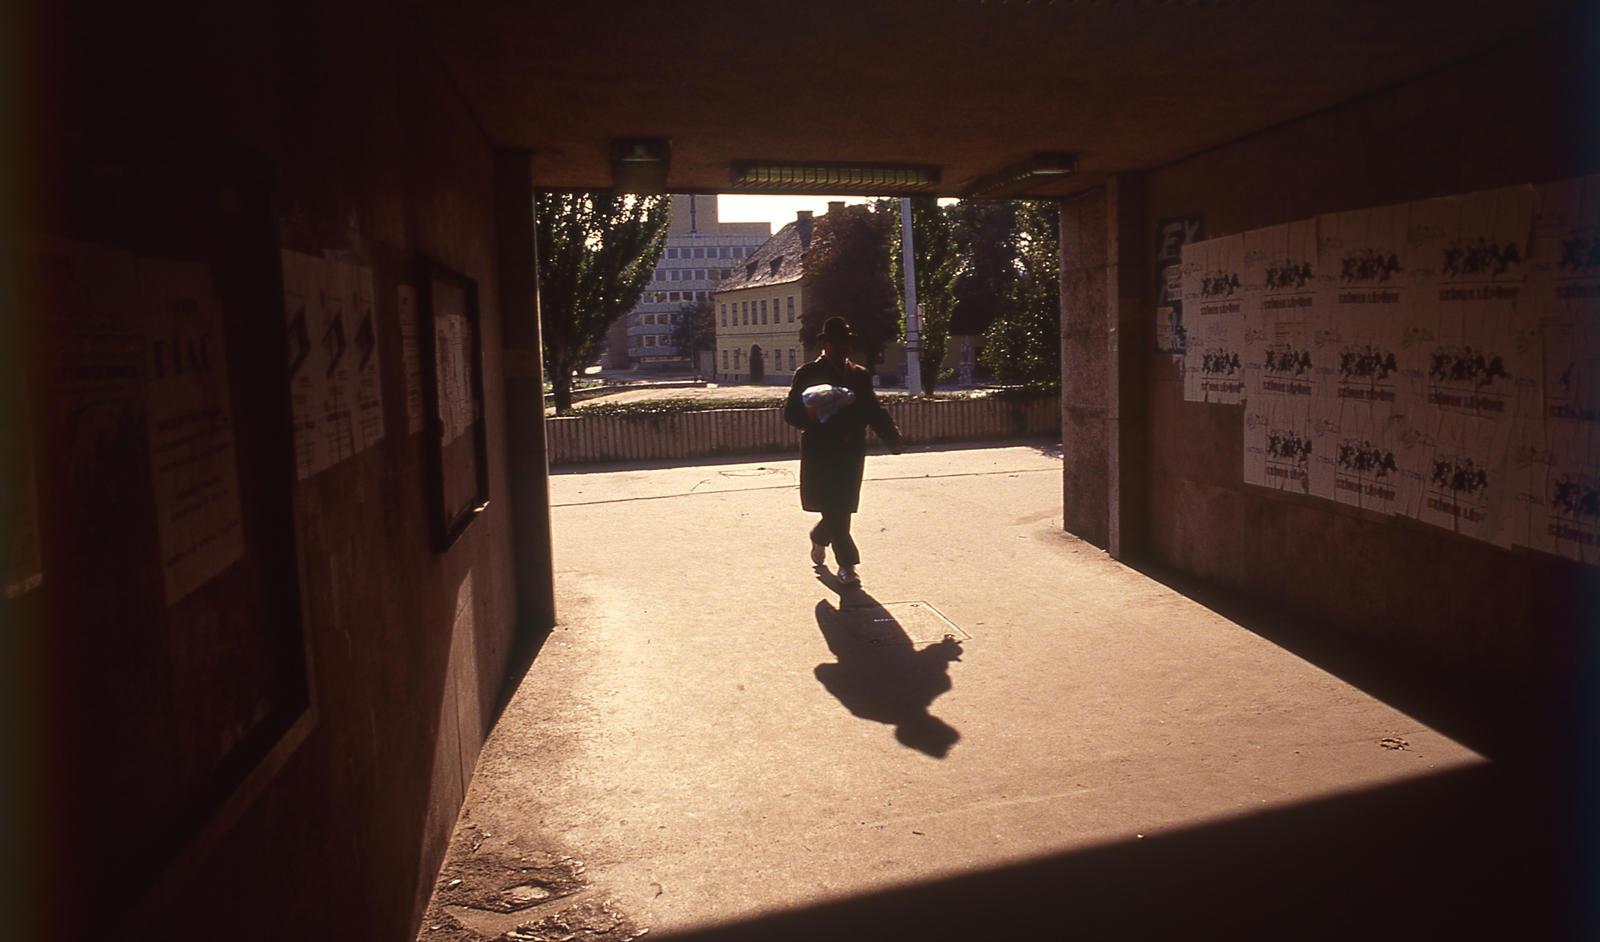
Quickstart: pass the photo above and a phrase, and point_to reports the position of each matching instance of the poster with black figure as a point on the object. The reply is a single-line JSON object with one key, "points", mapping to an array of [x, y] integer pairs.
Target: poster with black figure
{"points": [[1213, 298], [1556, 459], [1375, 384]]}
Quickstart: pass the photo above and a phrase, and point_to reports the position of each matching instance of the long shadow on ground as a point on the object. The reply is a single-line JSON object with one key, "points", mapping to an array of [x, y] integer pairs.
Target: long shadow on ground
{"points": [[881, 676], [1459, 855]]}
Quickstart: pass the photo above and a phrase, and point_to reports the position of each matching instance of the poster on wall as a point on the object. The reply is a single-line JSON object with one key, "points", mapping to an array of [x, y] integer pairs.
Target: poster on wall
{"points": [[1469, 486], [1171, 236], [86, 300], [411, 355], [334, 380], [133, 360], [364, 341], [1555, 461], [1375, 389], [1570, 523], [189, 424], [1213, 299], [1278, 441], [1470, 262], [1439, 359], [1282, 359]]}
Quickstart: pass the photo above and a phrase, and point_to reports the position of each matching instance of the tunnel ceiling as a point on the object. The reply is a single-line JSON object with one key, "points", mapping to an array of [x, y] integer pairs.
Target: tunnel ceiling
{"points": [[969, 86]]}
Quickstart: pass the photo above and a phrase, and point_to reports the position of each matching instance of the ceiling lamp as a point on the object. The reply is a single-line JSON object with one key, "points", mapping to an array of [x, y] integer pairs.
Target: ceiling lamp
{"points": [[639, 165], [1030, 174], [771, 176]]}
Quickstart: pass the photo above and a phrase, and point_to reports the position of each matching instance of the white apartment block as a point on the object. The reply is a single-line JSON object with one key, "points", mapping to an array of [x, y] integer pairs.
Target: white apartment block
{"points": [[700, 252]]}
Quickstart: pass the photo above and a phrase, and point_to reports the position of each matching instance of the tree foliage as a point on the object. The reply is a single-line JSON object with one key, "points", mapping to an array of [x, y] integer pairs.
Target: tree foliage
{"points": [[596, 255], [987, 237], [1023, 345], [848, 275], [694, 329], [938, 259]]}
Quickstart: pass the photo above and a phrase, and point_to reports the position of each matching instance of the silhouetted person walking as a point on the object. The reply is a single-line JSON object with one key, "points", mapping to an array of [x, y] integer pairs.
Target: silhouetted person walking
{"points": [[833, 442]]}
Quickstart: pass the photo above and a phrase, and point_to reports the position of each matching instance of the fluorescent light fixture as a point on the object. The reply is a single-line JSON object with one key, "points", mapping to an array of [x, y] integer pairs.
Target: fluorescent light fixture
{"points": [[639, 165], [1034, 172], [773, 176]]}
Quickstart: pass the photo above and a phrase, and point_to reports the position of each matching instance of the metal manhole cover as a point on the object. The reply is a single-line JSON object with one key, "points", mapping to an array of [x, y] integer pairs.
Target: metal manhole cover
{"points": [[898, 623]]}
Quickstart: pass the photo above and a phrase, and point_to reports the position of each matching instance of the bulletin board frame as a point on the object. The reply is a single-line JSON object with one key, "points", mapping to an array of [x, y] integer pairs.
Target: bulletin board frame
{"points": [[457, 442]]}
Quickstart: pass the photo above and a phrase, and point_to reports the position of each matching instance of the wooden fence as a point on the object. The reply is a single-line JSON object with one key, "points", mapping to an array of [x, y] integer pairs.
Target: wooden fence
{"points": [[589, 439]]}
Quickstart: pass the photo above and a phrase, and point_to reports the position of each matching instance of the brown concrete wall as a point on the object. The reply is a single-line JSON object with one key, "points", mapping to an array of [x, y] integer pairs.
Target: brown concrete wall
{"points": [[1510, 116], [374, 159], [1085, 348]]}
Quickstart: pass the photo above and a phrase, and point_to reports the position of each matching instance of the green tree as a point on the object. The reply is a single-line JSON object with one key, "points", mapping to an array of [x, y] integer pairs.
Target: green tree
{"points": [[596, 255], [694, 330], [938, 259], [1023, 345], [986, 234], [848, 275]]}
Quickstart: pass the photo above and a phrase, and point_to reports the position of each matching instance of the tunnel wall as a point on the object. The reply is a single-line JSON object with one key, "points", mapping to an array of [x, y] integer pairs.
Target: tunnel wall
{"points": [[1513, 115], [366, 158]]}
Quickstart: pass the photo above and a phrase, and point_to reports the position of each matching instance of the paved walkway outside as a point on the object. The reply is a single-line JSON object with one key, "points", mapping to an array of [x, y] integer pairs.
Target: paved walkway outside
{"points": [[1003, 733]]}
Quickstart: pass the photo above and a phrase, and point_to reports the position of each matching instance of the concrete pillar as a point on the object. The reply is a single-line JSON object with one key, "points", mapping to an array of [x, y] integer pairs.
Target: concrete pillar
{"points": [[1106, 336], [1084, 372], [525, 426], [1131, 336]]}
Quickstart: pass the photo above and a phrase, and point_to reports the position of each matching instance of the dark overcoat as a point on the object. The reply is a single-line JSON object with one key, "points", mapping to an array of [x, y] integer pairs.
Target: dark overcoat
{"points": [[834, 453]]}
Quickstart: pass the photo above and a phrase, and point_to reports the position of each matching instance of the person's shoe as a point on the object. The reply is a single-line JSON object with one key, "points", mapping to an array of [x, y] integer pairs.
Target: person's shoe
{"points": [[847, 575], [819, 554]]}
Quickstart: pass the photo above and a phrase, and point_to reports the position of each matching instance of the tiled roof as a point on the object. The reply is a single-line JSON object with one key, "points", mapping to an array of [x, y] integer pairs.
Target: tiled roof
{"points": [[758, 270]]}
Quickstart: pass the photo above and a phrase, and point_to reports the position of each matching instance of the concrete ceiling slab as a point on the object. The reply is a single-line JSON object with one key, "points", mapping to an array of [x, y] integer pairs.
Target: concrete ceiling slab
{"points": [[969, 86]]}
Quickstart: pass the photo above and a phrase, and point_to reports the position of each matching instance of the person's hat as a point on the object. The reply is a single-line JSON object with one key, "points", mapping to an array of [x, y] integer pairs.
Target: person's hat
{"points": [[837, 328]]}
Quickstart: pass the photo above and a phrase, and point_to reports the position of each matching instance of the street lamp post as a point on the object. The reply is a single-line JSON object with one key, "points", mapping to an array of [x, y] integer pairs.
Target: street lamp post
{"points": [[913, 309]]}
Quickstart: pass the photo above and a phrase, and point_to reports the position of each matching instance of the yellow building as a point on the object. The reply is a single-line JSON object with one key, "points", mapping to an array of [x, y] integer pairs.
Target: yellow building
{"points": [[758, 308]]}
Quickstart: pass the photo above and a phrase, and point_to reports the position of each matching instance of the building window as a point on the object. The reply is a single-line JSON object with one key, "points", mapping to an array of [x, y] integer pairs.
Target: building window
{"points": [[724, 315], [763, 310], [791, 310], [791, 360], [649, 340], [735, 359], [745, 313], [724, 360], [699, 253]]}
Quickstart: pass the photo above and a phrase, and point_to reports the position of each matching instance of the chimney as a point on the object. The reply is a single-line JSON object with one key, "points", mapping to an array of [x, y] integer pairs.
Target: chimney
{"points": [[802, 224], [836, 205]]}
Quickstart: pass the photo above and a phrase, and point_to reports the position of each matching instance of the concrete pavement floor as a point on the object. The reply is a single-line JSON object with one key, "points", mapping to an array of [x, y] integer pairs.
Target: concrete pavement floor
{"points": [[725, 737]]}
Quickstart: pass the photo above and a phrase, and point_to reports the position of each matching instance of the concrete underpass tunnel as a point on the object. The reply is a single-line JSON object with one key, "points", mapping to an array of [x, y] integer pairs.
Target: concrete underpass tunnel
{"points": [[261, 612]]}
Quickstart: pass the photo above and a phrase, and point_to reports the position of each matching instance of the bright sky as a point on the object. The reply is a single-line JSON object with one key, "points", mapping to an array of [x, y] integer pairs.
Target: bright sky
{"points": [[778, 210]]}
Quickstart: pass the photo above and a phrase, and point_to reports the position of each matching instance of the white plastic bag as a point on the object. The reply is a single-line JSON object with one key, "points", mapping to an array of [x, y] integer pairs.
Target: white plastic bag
{"points": [[827, 400]]}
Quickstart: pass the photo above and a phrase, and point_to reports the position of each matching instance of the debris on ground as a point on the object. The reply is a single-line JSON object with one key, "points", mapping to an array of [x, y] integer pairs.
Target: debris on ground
{"points": [[505, 885]]}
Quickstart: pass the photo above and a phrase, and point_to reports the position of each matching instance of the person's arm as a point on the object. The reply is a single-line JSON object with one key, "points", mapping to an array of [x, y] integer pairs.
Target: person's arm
{"points": [[794, 410], [880, 419]]}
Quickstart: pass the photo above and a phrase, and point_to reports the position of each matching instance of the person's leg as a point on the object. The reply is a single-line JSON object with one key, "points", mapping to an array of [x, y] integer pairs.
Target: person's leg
{"points": [[819, 533], [844, 548]]}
